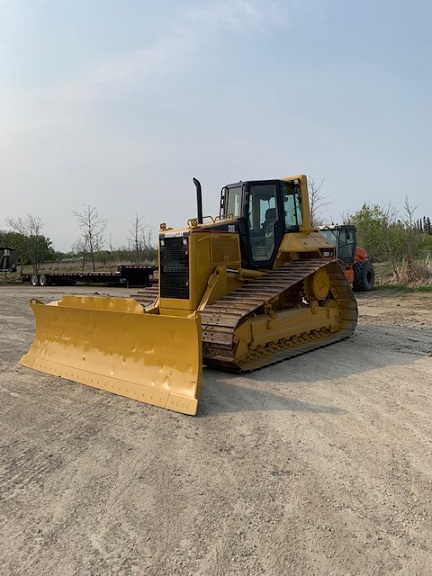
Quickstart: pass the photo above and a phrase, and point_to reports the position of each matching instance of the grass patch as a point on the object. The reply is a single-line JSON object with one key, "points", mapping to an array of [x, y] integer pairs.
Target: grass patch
{"points": [[10, 278], [403, 288]]}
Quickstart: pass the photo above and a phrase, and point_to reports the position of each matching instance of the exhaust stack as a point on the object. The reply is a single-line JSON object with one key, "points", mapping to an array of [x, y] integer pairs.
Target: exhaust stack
{"points": [[199, 200]]}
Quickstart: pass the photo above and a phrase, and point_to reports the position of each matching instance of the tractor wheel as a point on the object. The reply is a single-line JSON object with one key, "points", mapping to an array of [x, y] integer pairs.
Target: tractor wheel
{"points": [[34, 280], [364, 276]]}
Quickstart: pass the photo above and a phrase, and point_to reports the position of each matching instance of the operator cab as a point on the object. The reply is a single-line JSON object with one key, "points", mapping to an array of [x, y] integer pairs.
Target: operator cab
{"points": [[343, 238], [265, 210]]}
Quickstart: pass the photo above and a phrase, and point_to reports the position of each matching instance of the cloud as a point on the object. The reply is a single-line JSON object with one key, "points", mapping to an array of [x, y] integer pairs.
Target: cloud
{"points": [[66, 103], [165, 55], [235, 16], [241, 16], [183, 40], [173, 50]]}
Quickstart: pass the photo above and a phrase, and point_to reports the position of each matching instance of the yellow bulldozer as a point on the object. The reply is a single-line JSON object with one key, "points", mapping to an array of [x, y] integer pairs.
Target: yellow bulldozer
{"points": [[251, 287]]}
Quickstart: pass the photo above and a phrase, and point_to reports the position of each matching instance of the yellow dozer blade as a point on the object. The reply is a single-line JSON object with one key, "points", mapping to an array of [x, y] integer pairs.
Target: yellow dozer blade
{"points": [[114, 345]]}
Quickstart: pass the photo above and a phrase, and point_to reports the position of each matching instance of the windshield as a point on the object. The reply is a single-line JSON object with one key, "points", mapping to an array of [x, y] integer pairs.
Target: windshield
{"points": [[330, 236]]}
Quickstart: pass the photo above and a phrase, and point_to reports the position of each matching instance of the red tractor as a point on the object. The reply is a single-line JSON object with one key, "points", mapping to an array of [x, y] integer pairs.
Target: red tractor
{"points": [[358, 269]]}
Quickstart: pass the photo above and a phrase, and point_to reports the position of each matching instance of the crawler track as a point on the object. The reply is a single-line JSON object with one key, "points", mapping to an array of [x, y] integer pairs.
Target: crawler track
{"points": [[146, 296], [221, 319]]}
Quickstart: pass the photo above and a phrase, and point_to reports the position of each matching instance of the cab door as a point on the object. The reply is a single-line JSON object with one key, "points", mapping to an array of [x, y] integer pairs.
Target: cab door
{"points": [[265, 222]]}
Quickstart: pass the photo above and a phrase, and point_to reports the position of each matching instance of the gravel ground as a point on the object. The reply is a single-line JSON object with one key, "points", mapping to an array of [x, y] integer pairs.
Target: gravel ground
{"points": [[317, 466]]}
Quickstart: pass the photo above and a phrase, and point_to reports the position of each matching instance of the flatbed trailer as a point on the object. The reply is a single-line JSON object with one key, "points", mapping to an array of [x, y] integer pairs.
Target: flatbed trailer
{"points": [[126, 276]]}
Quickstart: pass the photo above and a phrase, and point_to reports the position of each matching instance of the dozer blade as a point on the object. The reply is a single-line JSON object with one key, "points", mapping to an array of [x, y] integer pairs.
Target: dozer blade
{"points": [[113, 345]]}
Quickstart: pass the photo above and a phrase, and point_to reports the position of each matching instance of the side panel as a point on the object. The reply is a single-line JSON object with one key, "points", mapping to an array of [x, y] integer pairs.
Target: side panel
{"points": [[187, 262], [360, 254]]}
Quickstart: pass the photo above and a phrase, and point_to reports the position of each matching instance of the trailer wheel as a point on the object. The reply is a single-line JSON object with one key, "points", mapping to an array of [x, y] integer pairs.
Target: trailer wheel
{"points": [[34, 280], [364, 276], [44, 280]]}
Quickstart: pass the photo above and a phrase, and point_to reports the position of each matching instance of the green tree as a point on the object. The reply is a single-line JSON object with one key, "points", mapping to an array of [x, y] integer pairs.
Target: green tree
{"points": [[388, 239], [11, 239], [26, 237], [373, 223]]}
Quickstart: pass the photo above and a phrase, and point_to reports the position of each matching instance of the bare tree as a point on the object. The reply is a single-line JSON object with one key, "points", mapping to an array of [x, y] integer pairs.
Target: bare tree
{"points": [[414, 240], [317, 200], [147, 238], [140, 239], [137, 231], [92, 227], [80, 247], [30, 228]]}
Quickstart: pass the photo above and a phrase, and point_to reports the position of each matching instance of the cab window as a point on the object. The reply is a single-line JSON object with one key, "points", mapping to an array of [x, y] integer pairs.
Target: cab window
{"points": [[292, 206], [233, 201], [263, 215]]}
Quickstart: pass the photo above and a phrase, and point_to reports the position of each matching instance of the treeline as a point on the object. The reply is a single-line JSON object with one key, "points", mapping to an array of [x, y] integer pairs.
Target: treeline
{"points": [[36, 248], [404, 242], [39, 249], [424, 225], [33, 249]]}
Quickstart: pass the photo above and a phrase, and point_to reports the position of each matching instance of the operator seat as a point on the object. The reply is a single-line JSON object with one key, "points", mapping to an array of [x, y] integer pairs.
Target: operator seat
{"points": [[270, 218]]}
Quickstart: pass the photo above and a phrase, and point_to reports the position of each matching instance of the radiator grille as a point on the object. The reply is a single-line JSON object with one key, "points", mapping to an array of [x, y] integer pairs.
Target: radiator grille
{"points": [[174, 267]]}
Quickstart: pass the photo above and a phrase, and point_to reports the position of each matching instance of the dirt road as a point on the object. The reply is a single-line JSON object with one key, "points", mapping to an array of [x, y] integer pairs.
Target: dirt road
{"points": [[318, 466]]}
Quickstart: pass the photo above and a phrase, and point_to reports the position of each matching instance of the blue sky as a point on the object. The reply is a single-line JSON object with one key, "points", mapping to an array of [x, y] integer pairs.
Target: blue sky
{"points": [[118, 104]]}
